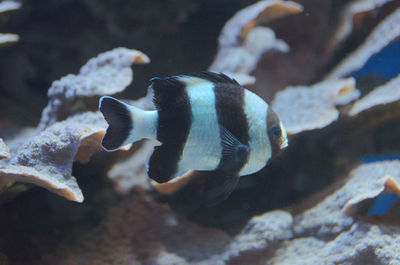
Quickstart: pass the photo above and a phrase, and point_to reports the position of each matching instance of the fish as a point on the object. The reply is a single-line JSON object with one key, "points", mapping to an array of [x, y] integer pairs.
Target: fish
{"points": [[203, 121]]}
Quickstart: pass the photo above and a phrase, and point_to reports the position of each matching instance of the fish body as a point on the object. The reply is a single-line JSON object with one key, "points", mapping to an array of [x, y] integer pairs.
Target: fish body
{"points": [[204, 121]]}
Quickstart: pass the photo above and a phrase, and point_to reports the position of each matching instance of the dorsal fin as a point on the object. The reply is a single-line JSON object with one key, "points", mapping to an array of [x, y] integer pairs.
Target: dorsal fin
{"points": [[216, 78], [169, 89], [166, 91]]}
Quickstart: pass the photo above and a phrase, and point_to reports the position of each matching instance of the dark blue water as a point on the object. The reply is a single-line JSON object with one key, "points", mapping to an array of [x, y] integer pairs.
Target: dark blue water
{"points": [[386, 63]]}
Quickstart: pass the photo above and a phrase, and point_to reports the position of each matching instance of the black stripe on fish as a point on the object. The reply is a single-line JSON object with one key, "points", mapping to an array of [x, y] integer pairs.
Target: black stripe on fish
{"points": [[174, 122], [120, 122], [229, 103]]}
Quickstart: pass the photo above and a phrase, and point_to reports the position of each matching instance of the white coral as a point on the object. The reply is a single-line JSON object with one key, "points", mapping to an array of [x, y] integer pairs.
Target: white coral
{"points": [[4, 7]]}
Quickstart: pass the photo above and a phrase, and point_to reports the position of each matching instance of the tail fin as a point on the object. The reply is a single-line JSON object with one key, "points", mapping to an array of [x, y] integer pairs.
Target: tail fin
{"points": [[120, 121]]}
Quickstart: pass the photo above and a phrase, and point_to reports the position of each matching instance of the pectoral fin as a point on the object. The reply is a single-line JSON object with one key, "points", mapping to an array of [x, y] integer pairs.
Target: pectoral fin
{"points": [[234, 153], [216, 186]]}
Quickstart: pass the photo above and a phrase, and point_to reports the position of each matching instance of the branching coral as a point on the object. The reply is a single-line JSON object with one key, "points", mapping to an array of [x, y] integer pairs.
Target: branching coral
{"points": [[328, 217], [107, 74], [8, 5], [66, 133], [4, 152], [119, 239], [242, 43], [348, 240], [301, 108], [387, 31], [330, 227], [361, 244], [305, 108], [46, 159], [321, 234], [387, 93], [131, 172], [352, 15], [370, 181], [154, 233]]}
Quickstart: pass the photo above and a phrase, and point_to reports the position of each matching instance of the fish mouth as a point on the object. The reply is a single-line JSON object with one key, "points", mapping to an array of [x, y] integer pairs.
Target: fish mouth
{"points": [[284, 144]]}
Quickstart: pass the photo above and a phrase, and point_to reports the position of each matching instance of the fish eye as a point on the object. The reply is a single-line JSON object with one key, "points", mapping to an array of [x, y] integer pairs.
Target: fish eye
{"points": [[275, 132]]}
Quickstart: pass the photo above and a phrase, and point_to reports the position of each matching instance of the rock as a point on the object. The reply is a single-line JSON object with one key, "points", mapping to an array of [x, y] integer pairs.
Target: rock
{"points": [[140, 231], [361, 244], [261, 234]]}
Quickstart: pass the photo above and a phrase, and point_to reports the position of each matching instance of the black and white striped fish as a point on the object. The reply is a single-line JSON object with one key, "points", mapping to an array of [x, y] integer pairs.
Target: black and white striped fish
{"points": [[204, 121]]}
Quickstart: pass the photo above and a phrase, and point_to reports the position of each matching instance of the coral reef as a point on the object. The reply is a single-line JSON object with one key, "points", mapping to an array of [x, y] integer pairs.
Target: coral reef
{"points": [[305, 108], [352, 16], [67, 133], [147, 232], [376, 178], [329, 217], [121, 172], [46, 159], [157, 236], [387, 31], [349, 240], [107, 74], [361, 244], [242, 42], [318, 202], [259, 235], [4, 152], [387, 93]]}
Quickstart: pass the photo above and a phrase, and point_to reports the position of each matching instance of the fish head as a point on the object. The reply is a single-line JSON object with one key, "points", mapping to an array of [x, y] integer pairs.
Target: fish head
{"points": [[276, 133]]}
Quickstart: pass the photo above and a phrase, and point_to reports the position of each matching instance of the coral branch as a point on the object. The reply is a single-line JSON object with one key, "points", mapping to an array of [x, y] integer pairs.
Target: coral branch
{"points": [[4, 152], [387, 31]]}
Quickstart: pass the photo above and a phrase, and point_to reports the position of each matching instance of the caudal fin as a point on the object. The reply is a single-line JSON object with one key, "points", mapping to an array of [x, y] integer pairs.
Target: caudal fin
{"points": [[120, 121]]}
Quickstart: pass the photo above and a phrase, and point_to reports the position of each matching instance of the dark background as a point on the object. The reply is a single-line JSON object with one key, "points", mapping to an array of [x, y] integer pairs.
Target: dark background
{"points": [[58, 37]]}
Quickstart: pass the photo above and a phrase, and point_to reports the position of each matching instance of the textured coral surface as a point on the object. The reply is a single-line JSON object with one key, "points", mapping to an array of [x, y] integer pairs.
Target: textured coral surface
{"points": [[4, 152]]}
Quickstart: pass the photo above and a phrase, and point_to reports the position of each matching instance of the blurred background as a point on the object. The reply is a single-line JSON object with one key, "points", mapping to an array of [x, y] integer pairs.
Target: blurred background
{"points": [[180, 36], [58, 37]]}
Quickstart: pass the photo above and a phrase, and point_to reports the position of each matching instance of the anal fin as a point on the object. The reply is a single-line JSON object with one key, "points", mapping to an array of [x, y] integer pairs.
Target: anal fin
{"points": [[161, 165], [216, 186]]}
